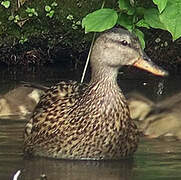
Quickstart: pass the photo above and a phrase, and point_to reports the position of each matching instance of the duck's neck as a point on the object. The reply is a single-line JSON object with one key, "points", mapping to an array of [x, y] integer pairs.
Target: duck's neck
{"points": [[104, 83], [104, 94], [106, 75]]}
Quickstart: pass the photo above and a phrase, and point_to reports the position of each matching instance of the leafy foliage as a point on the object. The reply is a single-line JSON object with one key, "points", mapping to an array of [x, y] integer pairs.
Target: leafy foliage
{"points": [[6, 4], [161, 4], [18, 20], [50, 9], [31, 12], [171, 18], [107, 19], [165, 15], [151, 17]]}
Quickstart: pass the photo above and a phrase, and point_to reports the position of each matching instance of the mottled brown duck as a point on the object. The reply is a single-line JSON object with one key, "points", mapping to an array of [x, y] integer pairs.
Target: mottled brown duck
{"points": [[92, 122], [164, 119], [159, 119], [139, 105], [19, 101]]}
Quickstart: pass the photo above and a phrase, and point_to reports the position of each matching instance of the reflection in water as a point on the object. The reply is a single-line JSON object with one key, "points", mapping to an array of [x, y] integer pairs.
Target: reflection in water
{"points": [[11, 132], [78, 170]]}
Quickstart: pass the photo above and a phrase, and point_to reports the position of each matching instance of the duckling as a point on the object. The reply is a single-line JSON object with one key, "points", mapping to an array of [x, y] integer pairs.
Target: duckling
{"points": [[164, 119], [156, 119], [73, 121], [173, 101], [139, 105], [162, 124], [19, 101]]}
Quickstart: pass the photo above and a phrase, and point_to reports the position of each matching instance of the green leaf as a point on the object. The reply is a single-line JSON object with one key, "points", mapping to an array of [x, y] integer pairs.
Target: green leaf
{"points": [[131, 11], [23, 40], [124, 5], [140, 11], [47, 8], [142, 23], [51, 13], [30, 14], [125, 21], [78, 23], [33, 10], [28, 10], [140, 36], [70, 17], [100, 20], [151, 17], [171, 18], [54, 4], [17, 17], [35, 13], [6, 4], [10, 18], [161, 4]]}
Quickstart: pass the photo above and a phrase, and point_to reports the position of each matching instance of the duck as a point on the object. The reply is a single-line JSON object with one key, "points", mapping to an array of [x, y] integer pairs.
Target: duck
{"points": [[162, 125], [91, 122], [139, 105], [152, 117], [19, 101]]}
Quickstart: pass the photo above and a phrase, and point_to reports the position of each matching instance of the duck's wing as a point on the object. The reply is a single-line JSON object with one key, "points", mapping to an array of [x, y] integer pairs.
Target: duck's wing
{"points": [[56, 103]]}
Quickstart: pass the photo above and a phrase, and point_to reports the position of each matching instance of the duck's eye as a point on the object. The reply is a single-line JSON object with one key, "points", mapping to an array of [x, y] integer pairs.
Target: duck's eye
{"points": [[124, 43]]}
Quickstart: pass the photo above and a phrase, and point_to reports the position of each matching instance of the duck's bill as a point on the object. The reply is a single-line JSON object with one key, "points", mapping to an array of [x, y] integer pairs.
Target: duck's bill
{"points": [[148, 65]]}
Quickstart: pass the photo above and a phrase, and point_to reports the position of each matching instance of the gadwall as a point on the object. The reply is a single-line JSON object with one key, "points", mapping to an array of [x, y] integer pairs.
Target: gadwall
{"points": [[73, 121]]}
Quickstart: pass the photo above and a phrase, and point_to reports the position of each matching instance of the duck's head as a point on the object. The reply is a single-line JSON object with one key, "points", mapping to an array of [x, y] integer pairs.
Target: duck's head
{"points": [[118, 47]]}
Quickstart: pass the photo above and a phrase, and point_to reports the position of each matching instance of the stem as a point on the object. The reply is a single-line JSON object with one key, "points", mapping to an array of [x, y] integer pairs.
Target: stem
{"points": [[88, 58], [103, 4], [90, 50]]}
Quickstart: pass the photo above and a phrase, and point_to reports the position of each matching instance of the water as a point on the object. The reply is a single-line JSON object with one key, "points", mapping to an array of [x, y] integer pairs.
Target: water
{"points": [[156, 159]]}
